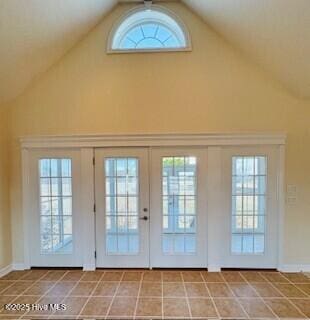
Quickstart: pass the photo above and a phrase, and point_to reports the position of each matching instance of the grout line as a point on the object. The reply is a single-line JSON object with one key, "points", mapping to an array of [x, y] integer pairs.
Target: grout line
{"points": [[113, 297], [259, 296], [186, 296], [286, 298], [91, 294], [136, 306], [44, 295], [212, 299], [228, 284], [21, 294], [162, 294], [67, 295], [294, 284], [236, 297]]}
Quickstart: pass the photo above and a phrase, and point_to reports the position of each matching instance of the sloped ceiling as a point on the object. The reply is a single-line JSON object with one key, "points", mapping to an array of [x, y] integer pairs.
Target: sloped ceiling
{"points": [[35, 34], [274, 33]]}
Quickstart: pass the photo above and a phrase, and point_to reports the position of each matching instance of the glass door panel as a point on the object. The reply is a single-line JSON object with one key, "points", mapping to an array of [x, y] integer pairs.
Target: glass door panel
{"points": [[122, 220], [55, 220], [122, 205], [249, 178], [178, 207], [250, 221], [55, 206]]}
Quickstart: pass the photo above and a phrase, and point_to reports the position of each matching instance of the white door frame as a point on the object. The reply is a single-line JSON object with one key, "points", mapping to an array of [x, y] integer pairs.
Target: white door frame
{"points": [[104, 259], [70, 259], [267, 259], [86, 143], [158, 258]]}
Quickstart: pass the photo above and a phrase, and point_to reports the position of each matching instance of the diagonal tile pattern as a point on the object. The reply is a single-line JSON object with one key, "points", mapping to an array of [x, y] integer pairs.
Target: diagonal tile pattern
{"points": [[158, 294]]}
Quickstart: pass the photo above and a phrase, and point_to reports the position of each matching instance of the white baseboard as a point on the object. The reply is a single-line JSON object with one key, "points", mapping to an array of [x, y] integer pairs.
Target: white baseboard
{"points": [[18, 266], [294, 268], [213, 268], [89, 267], [4, 271]]}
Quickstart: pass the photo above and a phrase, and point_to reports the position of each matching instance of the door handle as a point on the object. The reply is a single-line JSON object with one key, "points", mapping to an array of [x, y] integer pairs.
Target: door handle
{"points": [[145, 218]]}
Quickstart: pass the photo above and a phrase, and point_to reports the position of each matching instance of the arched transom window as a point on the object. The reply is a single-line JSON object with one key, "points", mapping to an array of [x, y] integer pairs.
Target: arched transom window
{"points": [[149, 29]]}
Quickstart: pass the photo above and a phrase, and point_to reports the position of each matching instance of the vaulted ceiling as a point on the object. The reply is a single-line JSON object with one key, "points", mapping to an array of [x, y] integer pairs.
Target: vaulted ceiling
{"points": [[35, 34]]}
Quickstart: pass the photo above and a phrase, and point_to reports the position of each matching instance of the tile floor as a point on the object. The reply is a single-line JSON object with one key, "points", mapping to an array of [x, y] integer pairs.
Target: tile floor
{"points": [[139, 294]]}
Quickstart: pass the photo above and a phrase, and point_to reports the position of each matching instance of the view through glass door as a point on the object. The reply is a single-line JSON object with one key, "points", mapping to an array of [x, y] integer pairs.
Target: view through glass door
{"points": [[173, 233], [250, 225], [179, 208], [122, 200]]}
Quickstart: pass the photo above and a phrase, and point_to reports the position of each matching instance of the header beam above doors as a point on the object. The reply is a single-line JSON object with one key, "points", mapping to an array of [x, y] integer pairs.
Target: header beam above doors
{"points": [[152, 140]]}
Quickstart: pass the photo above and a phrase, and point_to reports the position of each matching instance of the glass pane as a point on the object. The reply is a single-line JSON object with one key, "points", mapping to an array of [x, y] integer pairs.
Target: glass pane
{"points": [[249, 180], [132, 205], [133, 244], [56, 206], [121, 168], [179, 244], [236, 243], [247, 243], [122, 244], [168, 244], [56, 187], [179, 205], [45, 168], [110, 167], [46, 206], [65, 168], [66, 187], [148, 35], [259, 244], [190, 244], [111, 243], [121, 197]]}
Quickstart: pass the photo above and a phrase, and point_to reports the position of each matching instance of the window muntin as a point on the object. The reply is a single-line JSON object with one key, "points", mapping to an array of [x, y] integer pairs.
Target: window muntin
{"points": [[179, 193], [149, 29], [55, 206], [122, 205], [249, 180]]}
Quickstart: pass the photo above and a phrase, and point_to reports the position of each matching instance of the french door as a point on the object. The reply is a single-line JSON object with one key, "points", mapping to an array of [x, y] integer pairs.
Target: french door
{"points": [[122, 213], [55, 217], [169, 233], [178, 208], [158, 207], [250, 212]]}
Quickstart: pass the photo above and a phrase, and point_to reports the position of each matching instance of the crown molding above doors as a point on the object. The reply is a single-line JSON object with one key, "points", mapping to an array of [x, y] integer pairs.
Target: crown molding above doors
{"points": [[150, 140]]}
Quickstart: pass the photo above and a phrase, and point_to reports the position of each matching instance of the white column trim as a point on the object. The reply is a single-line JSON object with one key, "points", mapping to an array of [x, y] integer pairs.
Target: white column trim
{"points": [[214, 205], [26, 206], [87, 208], [281, 204]]}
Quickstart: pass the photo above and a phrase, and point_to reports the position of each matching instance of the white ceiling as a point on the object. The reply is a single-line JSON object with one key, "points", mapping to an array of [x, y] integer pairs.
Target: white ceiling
{"points": [[35, 34]]}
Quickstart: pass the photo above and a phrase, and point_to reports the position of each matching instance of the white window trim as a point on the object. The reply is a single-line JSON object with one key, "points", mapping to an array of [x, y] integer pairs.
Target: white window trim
{"points": [[161, 9]]}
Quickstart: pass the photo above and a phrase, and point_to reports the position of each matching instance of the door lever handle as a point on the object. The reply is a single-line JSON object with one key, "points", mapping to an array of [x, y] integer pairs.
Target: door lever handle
{"points": [[145, 218]]}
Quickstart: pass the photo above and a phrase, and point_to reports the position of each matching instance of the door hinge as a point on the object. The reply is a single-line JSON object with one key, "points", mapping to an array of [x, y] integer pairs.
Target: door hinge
{"points": [[95, 254], [94, 207], [94, 161]]}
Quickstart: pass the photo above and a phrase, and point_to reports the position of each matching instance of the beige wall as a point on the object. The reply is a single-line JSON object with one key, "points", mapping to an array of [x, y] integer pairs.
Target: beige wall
{"points": [[5, 225], [211, 89]]}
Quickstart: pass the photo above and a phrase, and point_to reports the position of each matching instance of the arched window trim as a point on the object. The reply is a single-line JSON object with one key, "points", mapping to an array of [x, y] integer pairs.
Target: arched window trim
{"points": [[161, 9]]}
